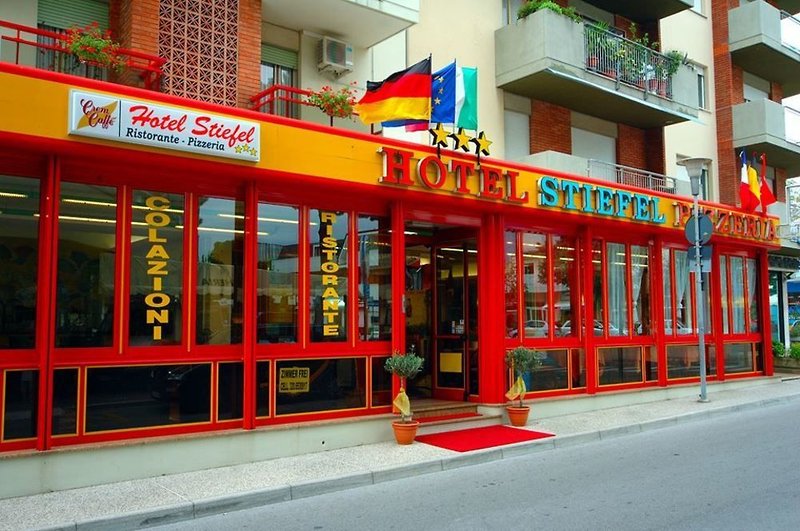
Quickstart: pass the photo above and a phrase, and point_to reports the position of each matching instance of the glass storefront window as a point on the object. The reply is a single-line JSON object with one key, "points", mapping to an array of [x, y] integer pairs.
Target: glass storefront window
{"points": [[65, 402], [597, 283], [619, 365], [20, 399], [776, 305], [87, 246], [752, 291], [565, 282], [329, 266], [666, 275], [640, 285], [119, 398], [262, 388], [220, 275], [156, 298], [737, 294], [683, 361], [552, 374], [278, 244], [19, 260], [684, 311], [723, 276], [738, 357], [230, 390], [337, 384], [381, 383], [617, 289], [535, 276], [374, 279], [511, 292]]}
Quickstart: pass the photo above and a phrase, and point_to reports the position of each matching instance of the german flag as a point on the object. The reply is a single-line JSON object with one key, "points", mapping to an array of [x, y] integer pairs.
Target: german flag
{"points": [[403, 95]]}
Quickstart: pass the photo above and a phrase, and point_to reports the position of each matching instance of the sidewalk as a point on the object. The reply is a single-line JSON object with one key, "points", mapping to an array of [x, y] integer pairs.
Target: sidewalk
{"points": [[148, 502]]}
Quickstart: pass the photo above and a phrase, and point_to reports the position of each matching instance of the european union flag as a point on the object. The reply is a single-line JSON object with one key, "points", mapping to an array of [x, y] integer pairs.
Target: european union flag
{"points": [[443, 95]]}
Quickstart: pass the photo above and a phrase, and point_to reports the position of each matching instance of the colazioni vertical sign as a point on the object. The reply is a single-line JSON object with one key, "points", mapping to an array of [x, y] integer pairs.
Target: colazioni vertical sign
{"points": [[329, 251], [150, 124], [157, 301]]}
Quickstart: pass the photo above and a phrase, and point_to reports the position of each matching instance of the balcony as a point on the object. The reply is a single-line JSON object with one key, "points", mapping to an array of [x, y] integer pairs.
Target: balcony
{"points": [[765, 126], [47, 50], [766, 42], [290, 102], [362, 23], [643, 11], [548, 57], [607, 171]]}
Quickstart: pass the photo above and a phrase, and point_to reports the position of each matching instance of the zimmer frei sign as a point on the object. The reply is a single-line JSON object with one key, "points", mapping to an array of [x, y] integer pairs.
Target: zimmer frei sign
{"points": [[145, 123], [463, 177]]}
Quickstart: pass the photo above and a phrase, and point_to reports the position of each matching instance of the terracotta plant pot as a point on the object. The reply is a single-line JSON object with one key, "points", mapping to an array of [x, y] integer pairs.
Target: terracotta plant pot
{"points": [[404, 432], [518, 416]]}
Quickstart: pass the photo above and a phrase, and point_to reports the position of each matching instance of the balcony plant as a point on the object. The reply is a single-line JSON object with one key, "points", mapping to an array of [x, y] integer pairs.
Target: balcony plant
{"points": [[532, 6], [93, 46], [406, 367], [522, 361], [335, 103]]}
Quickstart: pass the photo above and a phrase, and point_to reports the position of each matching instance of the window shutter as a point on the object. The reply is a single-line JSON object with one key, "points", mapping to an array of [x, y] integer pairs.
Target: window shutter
{"points": [[278, 56], [64, 15]]}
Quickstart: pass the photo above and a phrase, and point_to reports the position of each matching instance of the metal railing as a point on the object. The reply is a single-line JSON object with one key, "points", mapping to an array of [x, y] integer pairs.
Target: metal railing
{"points": [[631, 176], [790, 31], [139, 69], [628, 62], [792, 125], [280, 100]]}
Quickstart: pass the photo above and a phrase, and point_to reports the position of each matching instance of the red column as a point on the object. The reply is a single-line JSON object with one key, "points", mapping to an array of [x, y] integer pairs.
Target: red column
{"points": [[657, 316], [491, 334], [250, 320], [588, 310], [716, 281], [398, 284], [763, 287]]}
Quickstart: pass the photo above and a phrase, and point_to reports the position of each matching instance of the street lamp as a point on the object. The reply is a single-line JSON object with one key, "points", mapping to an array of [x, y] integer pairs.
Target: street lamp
{"points": [[694, 167]]}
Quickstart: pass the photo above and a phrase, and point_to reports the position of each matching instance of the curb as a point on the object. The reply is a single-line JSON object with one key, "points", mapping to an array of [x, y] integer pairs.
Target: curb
{"points": [[190, 510]]}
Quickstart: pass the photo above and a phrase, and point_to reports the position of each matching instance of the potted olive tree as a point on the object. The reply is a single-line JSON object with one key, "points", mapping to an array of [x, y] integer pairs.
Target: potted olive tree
{"points": [[521, 360], [405, 367]]}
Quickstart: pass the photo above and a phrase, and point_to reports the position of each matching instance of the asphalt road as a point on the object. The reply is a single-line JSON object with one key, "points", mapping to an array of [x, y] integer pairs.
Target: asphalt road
{"points": [[739, 471]]}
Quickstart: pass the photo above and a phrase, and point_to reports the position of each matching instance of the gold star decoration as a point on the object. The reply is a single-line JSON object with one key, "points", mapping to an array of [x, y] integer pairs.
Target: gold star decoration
{"points": [[481, 144], [461, 138], [439, 135]]}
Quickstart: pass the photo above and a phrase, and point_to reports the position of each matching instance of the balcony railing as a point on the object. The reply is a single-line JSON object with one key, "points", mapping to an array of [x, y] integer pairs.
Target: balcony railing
{"points": [[280, 100], [51, 53], [629, 62], [631, 176], [790, 31], [792, 118]]}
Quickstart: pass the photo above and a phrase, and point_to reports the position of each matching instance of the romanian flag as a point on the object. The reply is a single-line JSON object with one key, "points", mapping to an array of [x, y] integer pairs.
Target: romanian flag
{"points": [[767, 197], [404, 95], [749, 190]]}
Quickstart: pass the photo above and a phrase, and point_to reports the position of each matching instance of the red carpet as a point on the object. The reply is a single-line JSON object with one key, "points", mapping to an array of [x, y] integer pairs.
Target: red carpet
{"points": [[479, 438]]}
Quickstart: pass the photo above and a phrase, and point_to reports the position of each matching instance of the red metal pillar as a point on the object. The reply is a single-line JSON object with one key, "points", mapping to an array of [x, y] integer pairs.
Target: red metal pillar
{"points": [[587, 319], [766, 328], [491, 290], [657, 316], [398, 284], [716, 281], [250, 318]]}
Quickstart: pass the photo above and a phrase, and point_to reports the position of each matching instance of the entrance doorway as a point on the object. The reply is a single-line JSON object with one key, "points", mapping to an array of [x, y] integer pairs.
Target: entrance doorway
{"points": [[441, 310]]}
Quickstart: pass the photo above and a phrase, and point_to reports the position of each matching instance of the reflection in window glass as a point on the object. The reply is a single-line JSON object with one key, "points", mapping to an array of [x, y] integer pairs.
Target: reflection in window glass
{"points": [[684, 312], [738, 357], [19, 257], [262, 388], [86, 254], [381, 383], [337, 384], [640, 285], [597, 284], [220, 248], [752, 290], [565, 274], [667, 280], [328, 241], [374, 278], [737, 294], [683, 361], [20, 398], [65, 401], [619, 365], [230, 391], [278, 237], [136, 397], [512, 304], [617, 286], [551, 375], [723, 275], [156, 300], [534, 284]]}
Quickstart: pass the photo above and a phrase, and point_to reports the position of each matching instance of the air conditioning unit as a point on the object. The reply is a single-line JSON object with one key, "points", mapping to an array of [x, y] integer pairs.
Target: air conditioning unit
{"points": [[334, 56]]}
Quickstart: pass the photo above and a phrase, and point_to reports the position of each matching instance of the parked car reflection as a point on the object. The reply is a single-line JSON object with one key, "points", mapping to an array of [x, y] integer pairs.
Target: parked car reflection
{"points": [[566, 329], [533, 328]]}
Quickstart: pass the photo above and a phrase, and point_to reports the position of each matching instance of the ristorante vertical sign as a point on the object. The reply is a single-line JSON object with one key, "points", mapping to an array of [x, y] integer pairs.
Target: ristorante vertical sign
{"points": [[145, 123], [331, 299]]}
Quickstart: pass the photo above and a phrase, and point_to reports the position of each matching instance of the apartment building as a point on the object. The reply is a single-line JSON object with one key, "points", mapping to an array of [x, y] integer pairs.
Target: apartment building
{"points": [[187, 248]]}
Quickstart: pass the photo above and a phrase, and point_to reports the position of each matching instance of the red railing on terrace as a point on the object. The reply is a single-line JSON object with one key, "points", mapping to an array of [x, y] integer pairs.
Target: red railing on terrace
{"points": [[51, 53], [280, 100]]}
